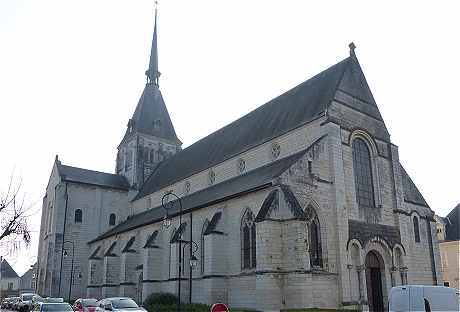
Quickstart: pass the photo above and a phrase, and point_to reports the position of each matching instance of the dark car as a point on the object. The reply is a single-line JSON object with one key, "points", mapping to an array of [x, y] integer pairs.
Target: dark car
{"points": [[85, 305], [52, 307]]}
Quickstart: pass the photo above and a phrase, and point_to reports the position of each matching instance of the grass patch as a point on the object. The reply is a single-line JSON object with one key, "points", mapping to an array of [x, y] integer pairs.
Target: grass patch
{"points": [[317, 310]]}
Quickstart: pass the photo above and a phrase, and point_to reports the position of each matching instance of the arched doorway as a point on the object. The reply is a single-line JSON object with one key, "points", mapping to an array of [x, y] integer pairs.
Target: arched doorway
{"points": [[374, 270]]}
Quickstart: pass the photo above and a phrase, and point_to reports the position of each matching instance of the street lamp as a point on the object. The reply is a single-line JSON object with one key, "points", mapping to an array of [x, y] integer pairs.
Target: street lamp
{"points": [[71, 268], [193, 245]]}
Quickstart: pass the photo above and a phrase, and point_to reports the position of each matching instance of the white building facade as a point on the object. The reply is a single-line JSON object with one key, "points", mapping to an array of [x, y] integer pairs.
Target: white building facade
{"points": [[300, 203]]}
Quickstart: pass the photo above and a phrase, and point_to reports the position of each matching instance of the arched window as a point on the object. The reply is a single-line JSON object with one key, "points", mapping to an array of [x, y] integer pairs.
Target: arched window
{"points": [[202, 251], [78, 216], [314, 233], [416, 231], [362, 168], [112, 219], [248, 241]]}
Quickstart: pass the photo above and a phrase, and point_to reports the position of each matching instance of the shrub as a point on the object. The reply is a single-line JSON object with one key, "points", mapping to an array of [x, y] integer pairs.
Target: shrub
{"points": [[160, 299]]}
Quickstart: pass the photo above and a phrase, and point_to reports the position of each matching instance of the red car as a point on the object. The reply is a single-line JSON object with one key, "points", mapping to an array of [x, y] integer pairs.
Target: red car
{"points": [[85, 305]]}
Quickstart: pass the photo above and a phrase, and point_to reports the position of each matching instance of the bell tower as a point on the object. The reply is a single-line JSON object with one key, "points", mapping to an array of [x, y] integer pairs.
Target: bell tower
{"points": [[150, 137]]}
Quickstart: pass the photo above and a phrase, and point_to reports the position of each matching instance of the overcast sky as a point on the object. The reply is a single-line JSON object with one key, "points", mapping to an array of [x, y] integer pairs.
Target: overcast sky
{"points": [[71, 73]]}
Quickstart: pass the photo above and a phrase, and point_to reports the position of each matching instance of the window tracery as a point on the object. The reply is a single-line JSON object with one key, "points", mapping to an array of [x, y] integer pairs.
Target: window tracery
{"points": [[362, 168], [248, 241], [314, 235], [275, 150]]}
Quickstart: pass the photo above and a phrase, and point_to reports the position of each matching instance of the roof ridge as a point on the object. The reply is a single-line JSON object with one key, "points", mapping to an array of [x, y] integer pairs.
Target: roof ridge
{"points": [[406, 192], [95, 171]]}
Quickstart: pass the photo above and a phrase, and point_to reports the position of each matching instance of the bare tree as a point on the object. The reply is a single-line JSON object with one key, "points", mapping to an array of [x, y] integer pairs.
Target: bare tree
{"points": [[13, 217]]}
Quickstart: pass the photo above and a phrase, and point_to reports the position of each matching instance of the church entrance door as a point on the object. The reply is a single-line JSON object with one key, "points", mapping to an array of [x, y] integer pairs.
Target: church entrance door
{"points": [[374, 269]]}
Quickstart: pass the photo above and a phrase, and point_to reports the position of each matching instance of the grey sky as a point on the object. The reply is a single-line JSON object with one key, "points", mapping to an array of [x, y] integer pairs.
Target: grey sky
{"points": [[71, 73]]}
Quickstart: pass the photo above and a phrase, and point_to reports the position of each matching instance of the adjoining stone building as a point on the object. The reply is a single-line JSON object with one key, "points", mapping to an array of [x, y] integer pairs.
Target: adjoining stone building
{"points": [[448, 232], [9, 280], [302, 202]]}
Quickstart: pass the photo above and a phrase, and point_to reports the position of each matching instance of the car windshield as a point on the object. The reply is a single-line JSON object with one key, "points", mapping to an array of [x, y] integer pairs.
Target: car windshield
{"points": [[27, 297], [56, 307], [124, 303], [89, 302]]}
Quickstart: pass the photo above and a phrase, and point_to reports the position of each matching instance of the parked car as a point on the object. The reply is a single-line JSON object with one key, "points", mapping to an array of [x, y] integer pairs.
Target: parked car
{"points": [[52, 307], [119, 304], [14, 304], [5, 303], [25, 302], [410, 298], [36, 299], [53, 300], [85, 305], [9, 303]]}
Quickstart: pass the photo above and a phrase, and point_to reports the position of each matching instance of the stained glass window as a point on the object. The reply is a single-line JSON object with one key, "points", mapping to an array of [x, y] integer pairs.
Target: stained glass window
{"points": [[363, 174]]}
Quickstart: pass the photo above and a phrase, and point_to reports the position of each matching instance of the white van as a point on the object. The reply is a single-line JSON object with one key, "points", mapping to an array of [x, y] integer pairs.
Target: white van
{"points": [[415, 298]]}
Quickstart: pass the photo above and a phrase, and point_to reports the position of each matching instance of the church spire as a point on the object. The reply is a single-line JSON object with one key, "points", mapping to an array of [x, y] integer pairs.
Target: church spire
{"points": [[152, 73]]}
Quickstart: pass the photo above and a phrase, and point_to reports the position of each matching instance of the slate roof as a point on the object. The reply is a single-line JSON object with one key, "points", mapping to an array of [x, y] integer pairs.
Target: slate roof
{"points": [[292, 109], [452, 223], [152, 108], [250, 181], [7, 271], [85, 176], [411, 192]]}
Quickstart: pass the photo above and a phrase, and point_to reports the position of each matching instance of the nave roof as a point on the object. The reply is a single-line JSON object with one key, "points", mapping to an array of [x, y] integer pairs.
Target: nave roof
{"points": [[288, 111], [85, 176], [251, 181]]}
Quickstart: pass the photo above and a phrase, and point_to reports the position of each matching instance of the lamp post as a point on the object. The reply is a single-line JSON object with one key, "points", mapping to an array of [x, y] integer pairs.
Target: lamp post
{"points": [[192, 263], [71, 268], [167, 224]]}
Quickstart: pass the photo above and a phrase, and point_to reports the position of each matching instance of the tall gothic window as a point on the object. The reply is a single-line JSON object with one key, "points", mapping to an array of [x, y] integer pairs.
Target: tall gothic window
{"points": [[362, 168], [314, 234], [129, 159], [202, 251], [248, 241], [112, 219], [416, 230], [78, 216]]}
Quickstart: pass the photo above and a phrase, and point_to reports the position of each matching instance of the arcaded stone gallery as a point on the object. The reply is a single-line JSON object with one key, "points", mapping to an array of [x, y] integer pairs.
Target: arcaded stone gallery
{"points": [[302, 202]]}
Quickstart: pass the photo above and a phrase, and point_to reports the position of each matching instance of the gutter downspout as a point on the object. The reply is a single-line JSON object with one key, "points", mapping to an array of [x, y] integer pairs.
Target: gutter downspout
{"points": [[63, 234]]}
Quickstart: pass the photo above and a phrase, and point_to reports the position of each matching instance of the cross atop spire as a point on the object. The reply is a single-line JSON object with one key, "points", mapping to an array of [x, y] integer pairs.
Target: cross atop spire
{"points": [[152, 73], [352, 48]]}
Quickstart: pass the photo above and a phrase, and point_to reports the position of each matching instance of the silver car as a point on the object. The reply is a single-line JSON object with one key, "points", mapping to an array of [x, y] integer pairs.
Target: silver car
{"points": [[119, 304]]}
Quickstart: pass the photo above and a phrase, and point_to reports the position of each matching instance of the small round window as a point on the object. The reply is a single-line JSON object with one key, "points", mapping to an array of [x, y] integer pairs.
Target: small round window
{"points": [[187, 187], [211, 177], [240, 165], [275, 150]]}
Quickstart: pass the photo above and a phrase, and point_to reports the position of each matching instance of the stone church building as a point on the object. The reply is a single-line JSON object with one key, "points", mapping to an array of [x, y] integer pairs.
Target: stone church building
{"points": [[302, 202]]}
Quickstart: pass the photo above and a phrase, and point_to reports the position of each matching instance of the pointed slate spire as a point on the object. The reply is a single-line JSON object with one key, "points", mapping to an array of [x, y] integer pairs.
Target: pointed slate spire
{"points": [[152, 73]]}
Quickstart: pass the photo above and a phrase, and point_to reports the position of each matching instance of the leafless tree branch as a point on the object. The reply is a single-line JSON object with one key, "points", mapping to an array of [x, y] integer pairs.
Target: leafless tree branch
{"points": [[13, 218]]}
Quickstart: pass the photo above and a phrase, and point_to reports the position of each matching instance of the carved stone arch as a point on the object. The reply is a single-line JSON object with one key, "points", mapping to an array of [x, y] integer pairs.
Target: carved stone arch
{"points": [[354, 241], [355, 259], [366, 137], [374, 155]]}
